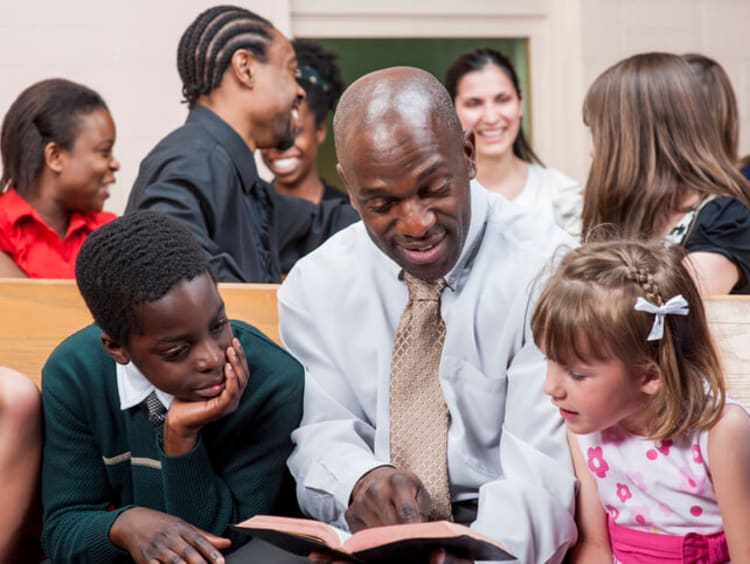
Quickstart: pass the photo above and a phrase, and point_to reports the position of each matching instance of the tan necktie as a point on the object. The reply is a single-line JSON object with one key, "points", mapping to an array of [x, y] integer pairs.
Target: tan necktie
{"points": [[419, 415]]}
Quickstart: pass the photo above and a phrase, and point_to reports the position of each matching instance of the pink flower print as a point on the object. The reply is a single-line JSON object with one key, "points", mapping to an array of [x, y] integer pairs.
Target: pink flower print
{"points": [[613, 511], [689, 482], [663, 446], [641, 515], [623, 492], [613, 435], [637, 479], [696, 511], [597, 464], [651, 454], [697, 456]]}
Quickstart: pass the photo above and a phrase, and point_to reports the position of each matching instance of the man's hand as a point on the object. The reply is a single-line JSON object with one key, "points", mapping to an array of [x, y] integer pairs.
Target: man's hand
{"points": [[150, 536], [387, 496], [185, 419]]}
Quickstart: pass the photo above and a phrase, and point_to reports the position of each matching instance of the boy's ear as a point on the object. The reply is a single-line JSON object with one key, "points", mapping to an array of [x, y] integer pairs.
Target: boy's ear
{"points": [[114, 349], [650, 375]]}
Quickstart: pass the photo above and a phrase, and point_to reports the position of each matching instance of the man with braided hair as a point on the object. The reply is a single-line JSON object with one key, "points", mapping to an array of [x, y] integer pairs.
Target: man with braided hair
{"points": [[239, 80], [159, 430]]}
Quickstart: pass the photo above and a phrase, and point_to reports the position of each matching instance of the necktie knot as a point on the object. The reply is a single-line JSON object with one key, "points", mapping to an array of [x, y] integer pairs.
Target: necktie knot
{"points": [[155, 411], [424, 290]]}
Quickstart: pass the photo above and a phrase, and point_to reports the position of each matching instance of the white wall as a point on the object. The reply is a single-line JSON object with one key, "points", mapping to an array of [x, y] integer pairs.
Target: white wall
{"points": [[124, 49]]}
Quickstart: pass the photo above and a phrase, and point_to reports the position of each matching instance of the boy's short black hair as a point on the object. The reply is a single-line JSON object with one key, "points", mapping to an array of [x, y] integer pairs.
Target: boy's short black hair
{"points": [[133, 260]]}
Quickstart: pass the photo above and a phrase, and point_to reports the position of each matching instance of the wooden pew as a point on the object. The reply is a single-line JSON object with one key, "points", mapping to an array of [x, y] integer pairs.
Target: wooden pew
{"points": [[36, 315]]}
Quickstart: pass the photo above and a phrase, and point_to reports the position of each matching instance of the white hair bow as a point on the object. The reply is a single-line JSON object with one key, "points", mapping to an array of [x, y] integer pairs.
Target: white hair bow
{"points": [[677, 306]]}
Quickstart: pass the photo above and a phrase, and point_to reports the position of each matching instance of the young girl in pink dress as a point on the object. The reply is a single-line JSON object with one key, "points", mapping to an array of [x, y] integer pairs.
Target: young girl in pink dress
{"points": [[662, 454]]}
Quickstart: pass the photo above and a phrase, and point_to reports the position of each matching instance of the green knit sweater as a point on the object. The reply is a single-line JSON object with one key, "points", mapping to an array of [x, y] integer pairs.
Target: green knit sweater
{"points": [[99, 460]]}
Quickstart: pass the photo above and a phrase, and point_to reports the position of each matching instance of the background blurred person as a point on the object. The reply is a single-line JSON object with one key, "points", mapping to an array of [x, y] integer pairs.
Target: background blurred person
{"points": [[486, 92], [660, 170], [58, 165], [295, 170]]}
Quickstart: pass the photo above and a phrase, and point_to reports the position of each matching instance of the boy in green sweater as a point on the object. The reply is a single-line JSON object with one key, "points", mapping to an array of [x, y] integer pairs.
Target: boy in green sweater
{"points": [[159, 430]]}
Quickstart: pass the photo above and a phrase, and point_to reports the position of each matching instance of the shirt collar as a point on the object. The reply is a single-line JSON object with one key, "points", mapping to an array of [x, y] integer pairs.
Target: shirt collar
{"points": [[17, 208], [230, 141], [133, 387]]}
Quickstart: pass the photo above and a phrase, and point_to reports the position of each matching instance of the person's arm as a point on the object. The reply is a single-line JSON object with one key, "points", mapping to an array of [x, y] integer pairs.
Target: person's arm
{"points": [[531, 507], [333, 446], [593, 538], [182, 188], [20, 454], [236, 468], [729, 461], [9, 269], [713, 273], [82, 520]]}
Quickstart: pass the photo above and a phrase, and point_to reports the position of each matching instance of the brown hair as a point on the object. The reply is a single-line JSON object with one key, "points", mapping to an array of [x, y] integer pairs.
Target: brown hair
{"points": [[654, 139], [587, 311], [722, 102]]}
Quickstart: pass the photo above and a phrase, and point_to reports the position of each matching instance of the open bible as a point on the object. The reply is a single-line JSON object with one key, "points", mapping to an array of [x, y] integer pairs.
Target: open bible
{"points": [[410, 543]]}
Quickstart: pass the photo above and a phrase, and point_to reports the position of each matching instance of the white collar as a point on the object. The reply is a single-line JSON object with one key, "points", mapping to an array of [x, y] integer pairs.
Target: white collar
{"points": [[133, 387]]}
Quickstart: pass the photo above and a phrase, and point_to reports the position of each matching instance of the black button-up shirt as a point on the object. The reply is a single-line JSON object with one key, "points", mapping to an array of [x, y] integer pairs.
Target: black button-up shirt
{"points": [[204, 175]]}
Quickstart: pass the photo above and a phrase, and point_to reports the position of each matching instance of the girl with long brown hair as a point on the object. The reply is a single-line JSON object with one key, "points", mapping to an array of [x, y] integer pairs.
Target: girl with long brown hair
{"points": [[659, 170], [662, 454]]}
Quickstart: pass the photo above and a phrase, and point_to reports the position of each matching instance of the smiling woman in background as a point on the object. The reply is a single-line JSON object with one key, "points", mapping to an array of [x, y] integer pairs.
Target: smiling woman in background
{"points": [[295, 170], [56, 144], [485, 90]]}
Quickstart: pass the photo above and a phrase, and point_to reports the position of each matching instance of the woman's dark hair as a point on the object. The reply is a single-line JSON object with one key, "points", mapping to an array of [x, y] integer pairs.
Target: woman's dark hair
{"points": [[207, 45], [47, 111], [319, 76], [475, 61]]}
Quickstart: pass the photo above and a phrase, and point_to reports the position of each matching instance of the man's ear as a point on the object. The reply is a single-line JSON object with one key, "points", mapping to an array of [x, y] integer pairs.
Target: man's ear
{"points": [[114, 349], [352, 200], [650, 378], [53, 157], [470, 153], [243, 67]]}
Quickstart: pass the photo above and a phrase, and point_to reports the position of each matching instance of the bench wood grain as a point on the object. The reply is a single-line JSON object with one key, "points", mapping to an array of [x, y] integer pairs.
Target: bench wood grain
{"points": [[36, 315]]}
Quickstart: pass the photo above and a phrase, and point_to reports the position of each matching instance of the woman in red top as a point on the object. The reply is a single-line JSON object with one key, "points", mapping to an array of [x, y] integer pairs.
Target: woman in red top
{"points": [[56, 145]]}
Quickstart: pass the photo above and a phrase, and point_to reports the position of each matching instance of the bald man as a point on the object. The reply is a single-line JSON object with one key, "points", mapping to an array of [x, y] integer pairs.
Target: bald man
{"points": [[408, 168]]}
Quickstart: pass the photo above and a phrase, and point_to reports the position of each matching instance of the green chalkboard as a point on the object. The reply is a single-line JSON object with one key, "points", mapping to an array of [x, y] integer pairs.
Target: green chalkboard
{"points": [[360, 56]]}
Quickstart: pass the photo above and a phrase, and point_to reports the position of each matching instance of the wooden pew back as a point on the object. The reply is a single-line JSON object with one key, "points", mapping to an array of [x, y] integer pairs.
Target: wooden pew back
{"points": [[36, 315]]}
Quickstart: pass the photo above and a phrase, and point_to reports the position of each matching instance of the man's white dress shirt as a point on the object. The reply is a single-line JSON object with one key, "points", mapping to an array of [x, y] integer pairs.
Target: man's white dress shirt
{"points": [[338, 311]]}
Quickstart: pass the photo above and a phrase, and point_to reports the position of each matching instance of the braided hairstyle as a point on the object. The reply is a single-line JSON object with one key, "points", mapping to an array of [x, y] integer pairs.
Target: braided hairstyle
{"points": [[587, 312], [135, 259], [319, 77], [46, 112], [207, 45]]}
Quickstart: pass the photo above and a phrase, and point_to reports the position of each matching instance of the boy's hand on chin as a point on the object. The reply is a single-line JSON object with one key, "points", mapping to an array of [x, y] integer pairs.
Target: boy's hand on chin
{"points": [[186, 418]]}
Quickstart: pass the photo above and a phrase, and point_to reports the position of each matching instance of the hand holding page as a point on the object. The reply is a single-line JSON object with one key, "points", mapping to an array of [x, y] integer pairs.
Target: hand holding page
{"points": [[410, 542]]}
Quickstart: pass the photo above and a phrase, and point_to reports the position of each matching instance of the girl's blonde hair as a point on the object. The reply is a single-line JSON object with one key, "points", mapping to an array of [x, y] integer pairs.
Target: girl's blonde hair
{"points": [[586, 312], [654, 139]]}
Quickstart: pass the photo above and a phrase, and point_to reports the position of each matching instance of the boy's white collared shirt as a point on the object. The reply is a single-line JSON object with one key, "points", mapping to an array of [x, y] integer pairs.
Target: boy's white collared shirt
{"points": [[133, 387]]}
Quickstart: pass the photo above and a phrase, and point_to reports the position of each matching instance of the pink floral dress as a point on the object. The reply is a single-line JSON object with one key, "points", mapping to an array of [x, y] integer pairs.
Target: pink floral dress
{"points": [[658, 495]]}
